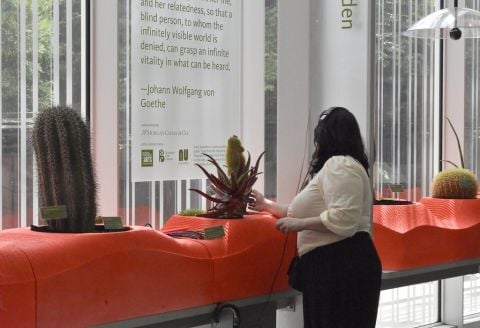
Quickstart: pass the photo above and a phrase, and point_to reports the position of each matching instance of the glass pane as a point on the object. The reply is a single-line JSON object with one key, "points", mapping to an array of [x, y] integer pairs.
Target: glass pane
{"points": [[155, 202], [472, 98], [405, 101], [405, 104], [271, 22], [409, 306], [37, 58], [471, 285], [471, 297]]}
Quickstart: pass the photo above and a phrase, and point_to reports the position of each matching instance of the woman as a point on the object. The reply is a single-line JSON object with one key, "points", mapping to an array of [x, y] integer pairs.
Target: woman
{"points": [[332, 215]]}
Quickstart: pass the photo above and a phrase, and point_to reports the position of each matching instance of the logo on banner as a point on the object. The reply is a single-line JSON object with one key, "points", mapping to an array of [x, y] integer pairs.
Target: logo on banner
{"points": [[147, 157], [183, 155], [161, 155]]}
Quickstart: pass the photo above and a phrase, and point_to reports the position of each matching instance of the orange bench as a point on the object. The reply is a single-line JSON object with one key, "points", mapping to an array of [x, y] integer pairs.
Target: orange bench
{"points": [[433, 231], [78, 280]]}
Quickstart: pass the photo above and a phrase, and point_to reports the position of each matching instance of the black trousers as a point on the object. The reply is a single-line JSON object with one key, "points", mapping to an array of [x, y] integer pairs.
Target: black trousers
{"points": [[342, 284]]}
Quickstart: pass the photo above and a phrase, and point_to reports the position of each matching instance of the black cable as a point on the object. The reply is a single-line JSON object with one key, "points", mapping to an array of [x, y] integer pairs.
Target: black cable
{"points": [[284, 251]]}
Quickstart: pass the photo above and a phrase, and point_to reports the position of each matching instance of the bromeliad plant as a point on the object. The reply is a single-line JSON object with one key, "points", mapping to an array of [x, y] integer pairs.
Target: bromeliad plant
{"points": [[457, 182], [230, 191]]}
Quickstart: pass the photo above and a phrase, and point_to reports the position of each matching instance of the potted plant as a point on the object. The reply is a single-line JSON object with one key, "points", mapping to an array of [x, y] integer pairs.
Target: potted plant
{"points": [[67, 187], [457, 182], [230, 190]]}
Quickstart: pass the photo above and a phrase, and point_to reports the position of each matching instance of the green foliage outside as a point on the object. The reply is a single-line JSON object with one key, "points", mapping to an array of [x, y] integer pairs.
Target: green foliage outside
{"points": [[10, 30]]}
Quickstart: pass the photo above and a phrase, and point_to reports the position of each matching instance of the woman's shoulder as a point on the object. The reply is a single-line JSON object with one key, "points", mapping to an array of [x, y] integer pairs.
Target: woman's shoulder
{"points": [[342, 162]]}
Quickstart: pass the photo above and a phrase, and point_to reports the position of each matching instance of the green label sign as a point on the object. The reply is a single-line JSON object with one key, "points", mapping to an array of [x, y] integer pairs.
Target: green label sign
{"points": [[214, 232], [112, 222], [54, 212], [396, 187]]}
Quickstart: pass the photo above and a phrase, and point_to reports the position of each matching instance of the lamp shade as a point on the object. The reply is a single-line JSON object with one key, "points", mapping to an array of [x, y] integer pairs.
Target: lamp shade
{"points": [[438, 25]]}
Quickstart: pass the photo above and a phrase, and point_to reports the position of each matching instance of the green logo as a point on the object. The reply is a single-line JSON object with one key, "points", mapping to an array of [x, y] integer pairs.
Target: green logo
{"points": [[183, 155], [147, 157]]}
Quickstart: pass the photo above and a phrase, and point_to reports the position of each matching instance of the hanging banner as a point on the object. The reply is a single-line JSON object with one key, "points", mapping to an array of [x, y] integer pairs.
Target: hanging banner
{"points": [[185, 85]]}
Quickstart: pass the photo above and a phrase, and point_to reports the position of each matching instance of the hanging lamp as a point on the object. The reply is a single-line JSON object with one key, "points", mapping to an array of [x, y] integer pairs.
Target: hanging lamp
{"points": [[455, 23]]}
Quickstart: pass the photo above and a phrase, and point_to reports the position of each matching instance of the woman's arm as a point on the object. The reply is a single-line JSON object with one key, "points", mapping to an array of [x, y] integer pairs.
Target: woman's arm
{"points": [[343, 195], [288, 224], [260, 203]]}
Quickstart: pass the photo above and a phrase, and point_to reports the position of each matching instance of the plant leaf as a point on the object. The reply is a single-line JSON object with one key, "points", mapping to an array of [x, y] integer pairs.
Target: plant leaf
{"points": [[209, 197], [258, 162], [458, 143], [450, 162], [221, 172], [215, 181]]}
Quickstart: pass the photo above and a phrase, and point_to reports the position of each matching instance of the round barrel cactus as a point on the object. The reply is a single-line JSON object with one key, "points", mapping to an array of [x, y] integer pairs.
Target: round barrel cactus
{"points": [[457, 183]]}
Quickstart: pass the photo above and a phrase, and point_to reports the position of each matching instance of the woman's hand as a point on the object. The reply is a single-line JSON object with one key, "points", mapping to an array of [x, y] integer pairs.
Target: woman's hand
{"points": [[257, 201], [288, 224]]}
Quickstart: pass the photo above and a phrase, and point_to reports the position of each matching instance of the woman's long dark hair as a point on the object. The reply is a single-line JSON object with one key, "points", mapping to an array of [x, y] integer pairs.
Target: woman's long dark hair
{"points": [[337, 133]]}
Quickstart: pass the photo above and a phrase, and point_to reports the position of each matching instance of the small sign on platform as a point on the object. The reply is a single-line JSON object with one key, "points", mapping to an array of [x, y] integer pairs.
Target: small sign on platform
{"points": [[53, 212], [214, 232], [112, 222]]}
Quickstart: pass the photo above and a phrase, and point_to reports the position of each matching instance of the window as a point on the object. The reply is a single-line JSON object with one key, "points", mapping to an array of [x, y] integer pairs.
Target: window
{"points": [[406, 100], [405, 147], [271, 17], [409, 306], [154, 202], [471, 292], [41, 65], [471, 297]]}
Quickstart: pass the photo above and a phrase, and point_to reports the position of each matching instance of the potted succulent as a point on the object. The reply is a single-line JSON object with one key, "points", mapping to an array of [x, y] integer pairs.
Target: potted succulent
{"points": [[230, 190], [67, 187], [457, 182]]}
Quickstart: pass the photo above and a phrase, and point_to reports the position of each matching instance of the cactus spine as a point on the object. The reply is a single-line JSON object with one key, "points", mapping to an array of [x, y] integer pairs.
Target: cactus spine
{"points": [[457, 182], [61, 142]]}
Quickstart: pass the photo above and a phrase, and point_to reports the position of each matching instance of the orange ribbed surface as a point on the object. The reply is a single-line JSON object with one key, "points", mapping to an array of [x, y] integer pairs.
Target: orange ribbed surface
{"points": [[87, 279], [430, 232]]}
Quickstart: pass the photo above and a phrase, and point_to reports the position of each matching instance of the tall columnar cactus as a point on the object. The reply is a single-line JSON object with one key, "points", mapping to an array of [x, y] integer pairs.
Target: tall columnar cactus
{"points": [[457, 182], [231, 190], [61, 141]]}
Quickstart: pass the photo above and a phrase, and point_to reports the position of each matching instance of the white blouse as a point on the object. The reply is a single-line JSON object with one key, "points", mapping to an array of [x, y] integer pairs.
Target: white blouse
{"points": [[339, 195]]}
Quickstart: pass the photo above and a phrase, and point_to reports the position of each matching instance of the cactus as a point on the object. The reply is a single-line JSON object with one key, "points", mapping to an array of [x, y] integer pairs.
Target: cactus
{"points": [[457, 182], [230, 191], [61, 142], [234, 157]]}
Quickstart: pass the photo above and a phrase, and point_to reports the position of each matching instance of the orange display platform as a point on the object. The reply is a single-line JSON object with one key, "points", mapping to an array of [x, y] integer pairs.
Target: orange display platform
{"points": [[78, 280], [432, 231]]}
